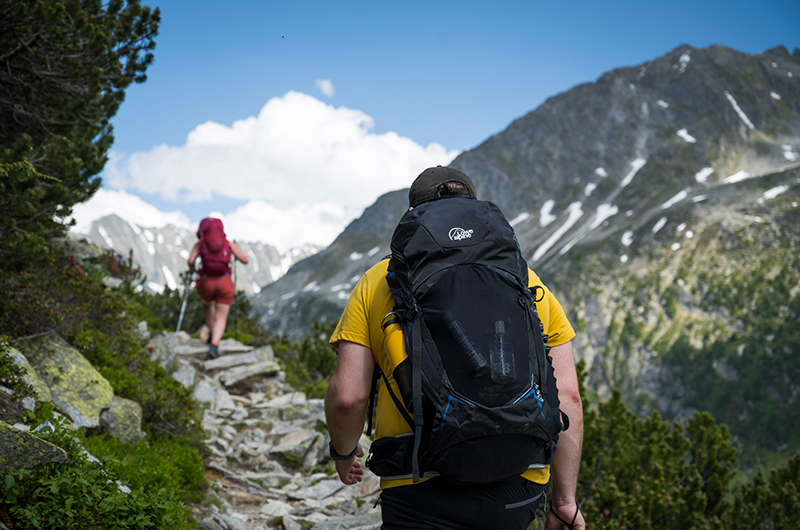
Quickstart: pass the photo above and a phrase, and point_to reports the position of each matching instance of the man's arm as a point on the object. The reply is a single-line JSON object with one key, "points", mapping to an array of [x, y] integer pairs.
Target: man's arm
{"points": [[346, 406], [567, 462]]}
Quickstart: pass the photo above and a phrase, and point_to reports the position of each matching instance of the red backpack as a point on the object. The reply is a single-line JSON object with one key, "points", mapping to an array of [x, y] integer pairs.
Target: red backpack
{"points": [[214, 248]]}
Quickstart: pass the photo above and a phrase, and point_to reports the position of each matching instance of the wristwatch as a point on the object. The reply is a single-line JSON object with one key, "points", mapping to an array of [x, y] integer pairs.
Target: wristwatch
{"points": [[337, 456]]}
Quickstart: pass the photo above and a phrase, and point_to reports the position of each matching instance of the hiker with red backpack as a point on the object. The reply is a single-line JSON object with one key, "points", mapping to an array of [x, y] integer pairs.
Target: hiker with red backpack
{"points": [[214, 285], [470, 357]]}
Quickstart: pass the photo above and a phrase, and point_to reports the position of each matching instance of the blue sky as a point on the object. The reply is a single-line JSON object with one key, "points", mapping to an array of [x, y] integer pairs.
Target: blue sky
{"points": [[409, 84]]}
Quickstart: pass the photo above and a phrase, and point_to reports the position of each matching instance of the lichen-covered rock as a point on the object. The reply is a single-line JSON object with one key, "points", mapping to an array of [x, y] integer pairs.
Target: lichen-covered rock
{"points": [[76, 387], [206, 392], [112, 283], [162, 350], [265, 353], [82, 250], [185, 375], [240, 373], [225, 522], [301, 448], [142, 330], [42, 391], [370, 521], [20, 450], [123, 420]]}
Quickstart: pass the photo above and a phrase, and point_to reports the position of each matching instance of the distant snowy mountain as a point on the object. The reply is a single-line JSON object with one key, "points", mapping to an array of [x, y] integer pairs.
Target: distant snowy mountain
{"points": [[162, 253]]}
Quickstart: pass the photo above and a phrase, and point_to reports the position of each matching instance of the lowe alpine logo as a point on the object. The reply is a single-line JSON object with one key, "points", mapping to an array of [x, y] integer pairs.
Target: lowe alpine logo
{"points": [[458, 234]]}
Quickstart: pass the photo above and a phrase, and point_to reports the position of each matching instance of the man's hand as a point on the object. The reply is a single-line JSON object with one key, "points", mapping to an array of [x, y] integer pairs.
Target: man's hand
{"points": [[568, 513], [349, 470]]}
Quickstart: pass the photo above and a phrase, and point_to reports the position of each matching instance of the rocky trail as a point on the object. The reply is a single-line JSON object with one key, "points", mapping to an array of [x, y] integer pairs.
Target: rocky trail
{"points": [[269, 465]]}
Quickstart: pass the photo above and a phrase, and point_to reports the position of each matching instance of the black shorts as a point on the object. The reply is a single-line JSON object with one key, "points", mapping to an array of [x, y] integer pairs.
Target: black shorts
{"points": [[440, 505]]}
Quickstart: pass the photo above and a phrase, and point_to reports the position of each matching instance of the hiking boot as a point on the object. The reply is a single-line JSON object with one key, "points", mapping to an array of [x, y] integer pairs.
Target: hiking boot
{"points": [[208, 340], [213, 351]]}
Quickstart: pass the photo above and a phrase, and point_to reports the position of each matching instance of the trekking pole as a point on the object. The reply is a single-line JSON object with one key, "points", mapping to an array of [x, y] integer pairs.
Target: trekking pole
{"points": [[233, 307], [185, 298]]}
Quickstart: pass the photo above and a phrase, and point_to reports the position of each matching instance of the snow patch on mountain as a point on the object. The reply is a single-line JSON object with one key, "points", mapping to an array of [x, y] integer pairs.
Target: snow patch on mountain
{"points": [[574, 213], [636, 165]]}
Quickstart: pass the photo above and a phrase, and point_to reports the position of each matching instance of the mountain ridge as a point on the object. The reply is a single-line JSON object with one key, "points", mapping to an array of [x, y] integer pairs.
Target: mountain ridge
{"points": [[511, 167], [163, 252], [648, 201]]}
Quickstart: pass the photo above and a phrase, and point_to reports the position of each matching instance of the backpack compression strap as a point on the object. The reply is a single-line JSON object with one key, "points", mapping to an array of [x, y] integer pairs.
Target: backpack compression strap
{"points": [[416, 366]]}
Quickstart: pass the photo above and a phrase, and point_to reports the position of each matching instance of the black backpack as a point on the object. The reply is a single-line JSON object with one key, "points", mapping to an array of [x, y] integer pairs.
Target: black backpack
{"points": [[478, 379]]}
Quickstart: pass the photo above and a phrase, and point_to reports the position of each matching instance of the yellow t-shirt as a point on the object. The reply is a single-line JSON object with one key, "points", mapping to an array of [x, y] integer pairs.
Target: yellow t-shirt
{"points": [[361, 320]]}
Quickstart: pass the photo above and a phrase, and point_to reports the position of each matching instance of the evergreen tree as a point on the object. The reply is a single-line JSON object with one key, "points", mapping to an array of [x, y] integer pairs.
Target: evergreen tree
{"points": [[64, 67], [768, 500], [645, 473]]}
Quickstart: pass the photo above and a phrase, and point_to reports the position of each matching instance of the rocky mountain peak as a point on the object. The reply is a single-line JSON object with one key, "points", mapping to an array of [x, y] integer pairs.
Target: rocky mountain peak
{"points": [[591, 163], [162, 253]]}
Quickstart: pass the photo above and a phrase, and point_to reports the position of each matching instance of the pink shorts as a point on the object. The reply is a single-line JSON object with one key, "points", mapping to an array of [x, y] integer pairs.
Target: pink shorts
{"points": [[216, 289]]}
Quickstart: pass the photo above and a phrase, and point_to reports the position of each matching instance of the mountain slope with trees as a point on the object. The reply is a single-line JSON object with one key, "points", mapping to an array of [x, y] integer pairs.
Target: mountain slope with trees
{"points": [[659, 203]]}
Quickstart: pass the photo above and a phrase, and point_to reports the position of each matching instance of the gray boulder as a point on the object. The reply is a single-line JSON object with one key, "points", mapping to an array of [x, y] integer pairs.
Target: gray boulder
{"points": [[185, 375], [162, 350], [240, 373], [123, 420], [112, 283], [225, 522], [371, 521], [301, 448], [42, 390], [20, 450], [142, 330], [76, 387]]}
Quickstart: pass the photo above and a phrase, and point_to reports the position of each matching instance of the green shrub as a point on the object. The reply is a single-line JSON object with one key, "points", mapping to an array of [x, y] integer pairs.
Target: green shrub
{"points": [[82, 494], [646, 473], [770, 500], [69, 298], [154, 463], [11, 374], [310, 363]]}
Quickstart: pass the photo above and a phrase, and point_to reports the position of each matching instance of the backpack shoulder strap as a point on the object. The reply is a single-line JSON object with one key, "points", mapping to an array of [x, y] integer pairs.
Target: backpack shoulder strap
{"points": [[376, 374]]}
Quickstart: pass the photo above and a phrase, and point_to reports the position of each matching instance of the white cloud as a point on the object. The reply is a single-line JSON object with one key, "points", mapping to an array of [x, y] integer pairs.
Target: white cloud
{"points": [[309, 168], [325, 86], [287, 228], [297, 150], [127, 206]]}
